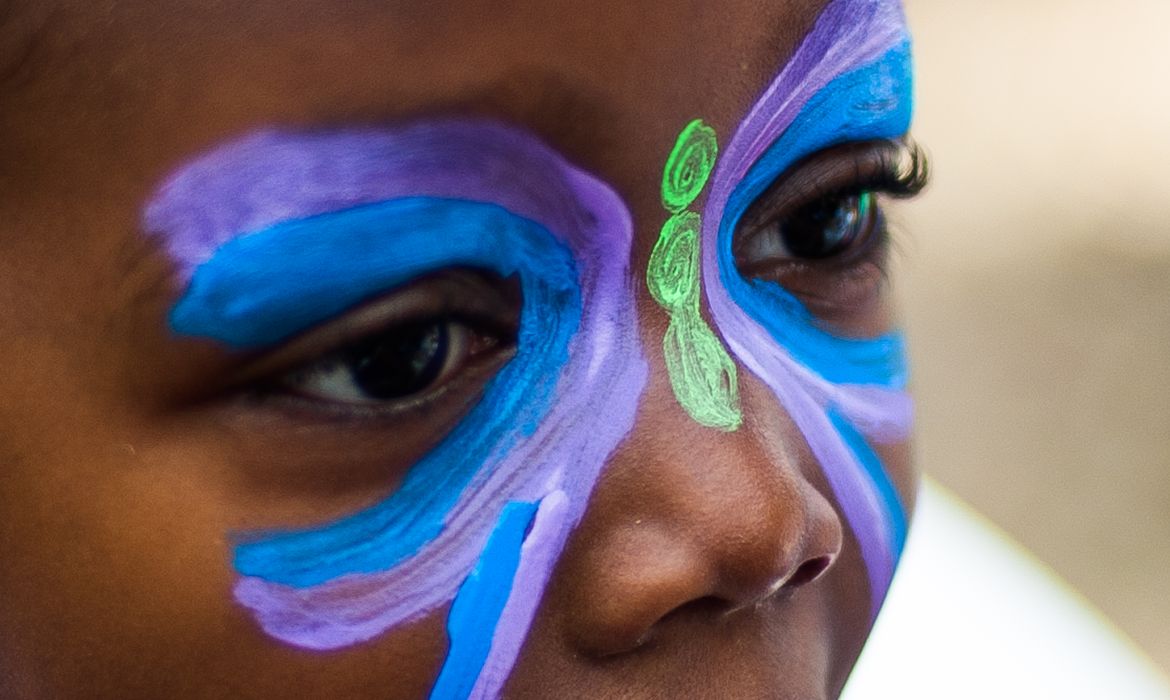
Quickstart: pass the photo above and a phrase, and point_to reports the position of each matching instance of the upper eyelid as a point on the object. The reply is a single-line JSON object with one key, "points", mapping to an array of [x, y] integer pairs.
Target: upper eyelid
{"points": [[829, 175], [447, 293]]}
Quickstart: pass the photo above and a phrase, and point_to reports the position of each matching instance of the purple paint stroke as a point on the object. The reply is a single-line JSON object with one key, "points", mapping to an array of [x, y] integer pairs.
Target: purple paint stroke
{"points": [[275, 176], [849, 34]]}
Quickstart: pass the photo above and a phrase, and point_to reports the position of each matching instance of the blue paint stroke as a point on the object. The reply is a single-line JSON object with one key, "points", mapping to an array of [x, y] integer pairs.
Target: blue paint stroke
{"points": [[892, 509], [480, 602], [874, 102], [266, 286]]}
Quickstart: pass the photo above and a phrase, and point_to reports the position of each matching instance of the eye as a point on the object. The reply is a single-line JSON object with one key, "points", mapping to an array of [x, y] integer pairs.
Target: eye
{"points": [[405, 349], [331, 420], [827, 205], [821, 229], [394, 365]]}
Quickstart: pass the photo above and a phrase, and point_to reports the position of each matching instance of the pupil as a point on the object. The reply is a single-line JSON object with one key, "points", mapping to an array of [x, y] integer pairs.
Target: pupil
{"points": [[823, 228], [402, 362]]}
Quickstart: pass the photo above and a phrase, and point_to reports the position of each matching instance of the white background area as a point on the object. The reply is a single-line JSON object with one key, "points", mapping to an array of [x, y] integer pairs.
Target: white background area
{"points": [[1036, 284], [970, 615]]}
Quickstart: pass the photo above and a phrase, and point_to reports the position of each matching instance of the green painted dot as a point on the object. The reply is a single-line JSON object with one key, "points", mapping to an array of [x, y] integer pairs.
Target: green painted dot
{"points": [[673, 273], [689, 166], [702, 374]]}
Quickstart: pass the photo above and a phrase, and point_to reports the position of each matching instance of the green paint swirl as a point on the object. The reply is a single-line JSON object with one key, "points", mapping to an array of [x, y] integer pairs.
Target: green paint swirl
{"points": [[673, 275], [688, 166], [702, 374]]}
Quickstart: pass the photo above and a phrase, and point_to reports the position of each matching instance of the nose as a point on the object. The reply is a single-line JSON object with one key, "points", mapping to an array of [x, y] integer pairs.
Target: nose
{"points": [[691, 518]]}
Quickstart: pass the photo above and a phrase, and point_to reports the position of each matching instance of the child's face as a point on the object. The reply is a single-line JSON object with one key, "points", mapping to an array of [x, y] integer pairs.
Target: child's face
{"points": [[319, 316]]}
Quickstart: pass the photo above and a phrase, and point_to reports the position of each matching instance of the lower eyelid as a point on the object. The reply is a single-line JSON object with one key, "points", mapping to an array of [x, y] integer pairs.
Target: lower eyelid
{"points": [[846, 295], [327, 455]]}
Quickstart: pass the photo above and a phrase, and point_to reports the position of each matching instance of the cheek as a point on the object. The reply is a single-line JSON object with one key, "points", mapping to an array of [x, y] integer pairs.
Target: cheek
{"points": [[115, 581], [114, 565]]}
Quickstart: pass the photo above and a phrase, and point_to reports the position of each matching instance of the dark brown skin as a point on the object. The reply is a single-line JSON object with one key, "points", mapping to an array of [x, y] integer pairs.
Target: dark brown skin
{"points": [[125, 463]]}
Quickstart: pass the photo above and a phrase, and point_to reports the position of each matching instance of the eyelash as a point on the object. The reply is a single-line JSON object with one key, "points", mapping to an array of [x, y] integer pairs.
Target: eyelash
{"points": [[295, 385], [478, 334], [897, 169], [838, 192], [904, 170]]}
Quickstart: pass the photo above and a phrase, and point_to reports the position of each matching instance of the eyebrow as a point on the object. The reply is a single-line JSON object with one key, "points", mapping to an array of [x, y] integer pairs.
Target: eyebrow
{"points": [[217, 181], [263, 288]]}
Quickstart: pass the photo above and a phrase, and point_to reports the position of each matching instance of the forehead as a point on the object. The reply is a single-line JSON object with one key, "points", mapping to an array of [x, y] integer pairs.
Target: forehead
{"points": [[159, 79], [435, 38]]}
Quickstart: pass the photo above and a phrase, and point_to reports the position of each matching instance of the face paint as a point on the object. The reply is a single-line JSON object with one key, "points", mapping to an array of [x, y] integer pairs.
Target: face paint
{"points": [[688, 166], [850, 80], [702, 375], [281, 231]]}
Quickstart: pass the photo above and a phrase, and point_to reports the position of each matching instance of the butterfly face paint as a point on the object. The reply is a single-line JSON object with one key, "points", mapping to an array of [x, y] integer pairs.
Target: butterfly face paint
{"points": [[850, 80], [281, 231]]}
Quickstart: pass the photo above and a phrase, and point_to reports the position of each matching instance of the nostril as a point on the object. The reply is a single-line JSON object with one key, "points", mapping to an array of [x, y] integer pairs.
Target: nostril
{"points": [[809, 571]]}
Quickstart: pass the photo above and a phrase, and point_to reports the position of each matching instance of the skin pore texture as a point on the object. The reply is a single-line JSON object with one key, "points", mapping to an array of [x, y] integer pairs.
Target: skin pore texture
{"points": [[688, 487]]}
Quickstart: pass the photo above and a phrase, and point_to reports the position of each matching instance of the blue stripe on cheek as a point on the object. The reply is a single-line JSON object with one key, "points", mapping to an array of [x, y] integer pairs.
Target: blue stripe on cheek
{"points": [[480, 602], [874, 102], [264, 287]]}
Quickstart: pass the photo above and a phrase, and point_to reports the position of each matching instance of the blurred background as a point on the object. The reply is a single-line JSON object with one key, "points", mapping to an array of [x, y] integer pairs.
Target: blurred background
{"points": [[1036, 283]]}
